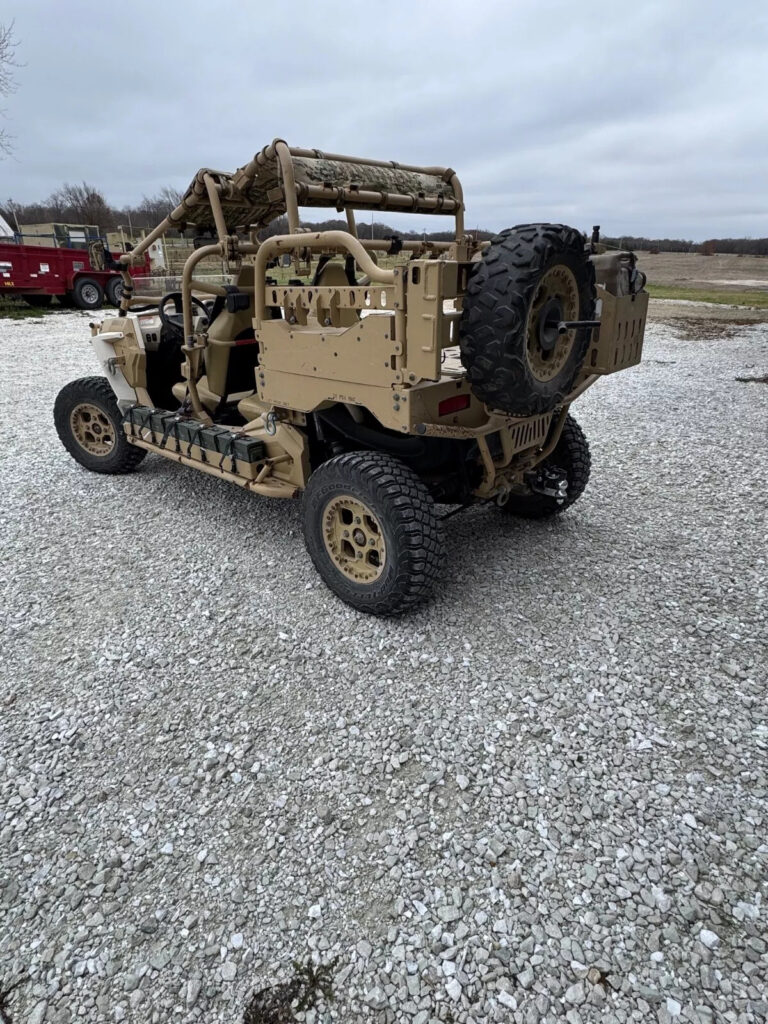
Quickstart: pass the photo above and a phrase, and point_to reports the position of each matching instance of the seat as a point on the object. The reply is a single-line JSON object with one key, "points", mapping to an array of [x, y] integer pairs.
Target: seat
{"points": [[336, 275], [232, 352], [209, 399]]}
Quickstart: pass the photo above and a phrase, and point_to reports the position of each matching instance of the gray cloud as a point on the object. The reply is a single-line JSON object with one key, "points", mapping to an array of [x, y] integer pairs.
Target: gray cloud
{"points": [[647, 117]]}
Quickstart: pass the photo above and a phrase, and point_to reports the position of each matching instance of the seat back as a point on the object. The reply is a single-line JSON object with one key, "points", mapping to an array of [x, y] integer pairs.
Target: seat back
{"points": [[232, 353], [335, 275]]}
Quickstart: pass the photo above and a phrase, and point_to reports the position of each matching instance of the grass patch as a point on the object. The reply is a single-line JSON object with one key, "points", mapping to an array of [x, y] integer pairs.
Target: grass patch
{"points": [[758, 299], [18, 309]]}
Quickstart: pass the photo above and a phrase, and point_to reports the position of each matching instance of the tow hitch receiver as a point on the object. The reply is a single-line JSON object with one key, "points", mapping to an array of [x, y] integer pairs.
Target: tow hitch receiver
{"points": [[549, 481]]}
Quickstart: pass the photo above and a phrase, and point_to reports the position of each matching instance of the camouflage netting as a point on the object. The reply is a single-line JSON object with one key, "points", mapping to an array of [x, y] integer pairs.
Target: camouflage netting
{"points": [[389, 180], [254, 194]]}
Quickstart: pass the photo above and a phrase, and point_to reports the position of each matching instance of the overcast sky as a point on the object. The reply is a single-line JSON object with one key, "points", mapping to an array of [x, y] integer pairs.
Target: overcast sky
{"points": [[646, 117]]}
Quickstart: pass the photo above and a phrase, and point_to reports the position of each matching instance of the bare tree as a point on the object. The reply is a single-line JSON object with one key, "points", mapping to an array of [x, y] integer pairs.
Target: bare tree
{"points": [[7, 81], [171, 196], [83, 204], [152, 209]]}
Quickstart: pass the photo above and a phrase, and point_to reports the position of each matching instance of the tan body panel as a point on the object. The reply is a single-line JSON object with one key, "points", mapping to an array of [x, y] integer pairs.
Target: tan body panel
{"points": [[365, 353], [618, 342], [430, 284]]}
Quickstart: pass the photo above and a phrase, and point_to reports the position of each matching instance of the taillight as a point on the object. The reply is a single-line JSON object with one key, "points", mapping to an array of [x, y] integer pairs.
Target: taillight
{"points": [[453, 404]]}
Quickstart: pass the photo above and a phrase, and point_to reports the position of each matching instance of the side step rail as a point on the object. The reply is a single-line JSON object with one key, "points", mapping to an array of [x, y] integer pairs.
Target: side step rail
{"points": [[218, 451]]}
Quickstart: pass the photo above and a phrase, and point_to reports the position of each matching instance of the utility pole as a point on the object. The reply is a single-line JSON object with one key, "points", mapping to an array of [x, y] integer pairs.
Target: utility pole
{"points": [[12, 208]]}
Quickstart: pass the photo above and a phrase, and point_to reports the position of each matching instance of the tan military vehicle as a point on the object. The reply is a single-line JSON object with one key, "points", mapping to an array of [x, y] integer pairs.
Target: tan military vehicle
{"points": [[389, 378]]}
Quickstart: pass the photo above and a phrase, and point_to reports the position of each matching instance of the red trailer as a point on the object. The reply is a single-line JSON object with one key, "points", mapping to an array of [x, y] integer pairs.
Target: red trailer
{"points": [[79, 277]]}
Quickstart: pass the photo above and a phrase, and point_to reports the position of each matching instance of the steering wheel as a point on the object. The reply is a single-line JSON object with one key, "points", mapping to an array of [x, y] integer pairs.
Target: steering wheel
{"points": [[176, 319]]}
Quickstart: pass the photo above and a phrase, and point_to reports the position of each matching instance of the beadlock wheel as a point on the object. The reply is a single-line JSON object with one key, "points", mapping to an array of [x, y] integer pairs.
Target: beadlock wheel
{"points": [[372, 532], [90, 426], [529, 280], [555, 299], [354, 539], [92, 429]]}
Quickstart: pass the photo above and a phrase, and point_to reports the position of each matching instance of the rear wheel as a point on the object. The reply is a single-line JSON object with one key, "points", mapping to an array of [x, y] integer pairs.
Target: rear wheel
{"points": [[569, 460], [372, 532], [87, 293], [90, 426], [38, 301], [114, 290]]}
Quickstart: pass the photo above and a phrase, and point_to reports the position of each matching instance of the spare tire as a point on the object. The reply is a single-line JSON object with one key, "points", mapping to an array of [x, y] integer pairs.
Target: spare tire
{"points": [[531, 278]]}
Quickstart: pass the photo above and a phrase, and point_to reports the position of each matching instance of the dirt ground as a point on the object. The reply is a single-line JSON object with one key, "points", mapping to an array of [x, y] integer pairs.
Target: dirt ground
{"points": [[681, 309], [709, 274], [713, 273]]}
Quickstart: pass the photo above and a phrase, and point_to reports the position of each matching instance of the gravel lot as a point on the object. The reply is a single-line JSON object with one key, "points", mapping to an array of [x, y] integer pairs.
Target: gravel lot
{"points": [[541, 798]]}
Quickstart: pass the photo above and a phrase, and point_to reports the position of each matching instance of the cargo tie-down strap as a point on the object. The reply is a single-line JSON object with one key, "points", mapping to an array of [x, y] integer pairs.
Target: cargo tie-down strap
{"points": [[170, 423], [231, 445]]}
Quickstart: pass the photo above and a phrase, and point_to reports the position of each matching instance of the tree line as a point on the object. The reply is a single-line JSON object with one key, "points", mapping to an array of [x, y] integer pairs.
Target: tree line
{"points": [[738, 246], [86, 204]]}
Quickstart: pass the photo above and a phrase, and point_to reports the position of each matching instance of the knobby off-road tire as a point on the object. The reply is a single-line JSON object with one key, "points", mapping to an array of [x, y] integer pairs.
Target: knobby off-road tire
{"points": [[530, 278], [371, 530], [90, 427], [571, 455]]}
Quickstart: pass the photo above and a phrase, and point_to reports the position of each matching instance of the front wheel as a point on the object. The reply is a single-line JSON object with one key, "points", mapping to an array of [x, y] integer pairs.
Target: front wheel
{"points": [[571, 460], [371, 530], [90, 427]]}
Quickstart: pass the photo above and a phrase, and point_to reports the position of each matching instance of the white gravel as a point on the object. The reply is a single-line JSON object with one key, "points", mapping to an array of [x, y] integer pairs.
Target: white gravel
{"points": [[543, 797]]}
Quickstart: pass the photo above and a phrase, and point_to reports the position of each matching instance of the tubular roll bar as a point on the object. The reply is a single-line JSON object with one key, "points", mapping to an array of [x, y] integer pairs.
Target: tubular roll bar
{"points": [[213, 186], [322, 240]]}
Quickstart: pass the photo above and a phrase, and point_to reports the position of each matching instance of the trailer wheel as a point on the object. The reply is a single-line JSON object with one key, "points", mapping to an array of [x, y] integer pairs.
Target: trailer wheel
{"points": [[87, 293], [114, 290], [90, 427], [38, 301], [371, 530]]}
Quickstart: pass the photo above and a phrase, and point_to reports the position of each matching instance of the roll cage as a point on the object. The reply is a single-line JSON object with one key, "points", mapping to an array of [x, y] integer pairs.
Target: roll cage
{"points": [[277, 181]]}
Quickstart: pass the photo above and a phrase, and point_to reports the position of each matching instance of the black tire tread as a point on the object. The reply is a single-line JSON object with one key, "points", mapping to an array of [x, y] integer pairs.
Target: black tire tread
{"points": [[415, 526], [492, 328], [126, 457]]}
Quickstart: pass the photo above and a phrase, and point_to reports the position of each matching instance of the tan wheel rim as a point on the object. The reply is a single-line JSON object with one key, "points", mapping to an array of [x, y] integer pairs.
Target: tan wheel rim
{"points": [[92, 428], [556, 298], [353, 538]]}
